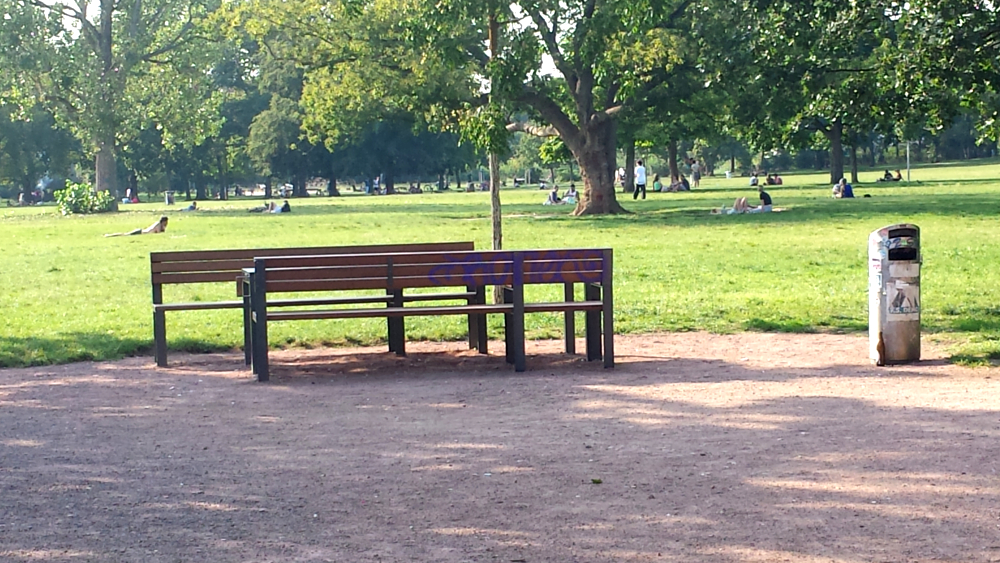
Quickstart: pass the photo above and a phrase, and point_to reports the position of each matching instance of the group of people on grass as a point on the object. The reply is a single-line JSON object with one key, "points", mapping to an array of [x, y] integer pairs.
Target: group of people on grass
{"points": [[271, 207], [741, 205], [570, 197]]}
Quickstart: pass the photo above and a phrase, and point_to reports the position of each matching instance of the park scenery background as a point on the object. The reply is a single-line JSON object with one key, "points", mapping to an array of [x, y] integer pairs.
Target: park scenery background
{"points": [[71, 294]]}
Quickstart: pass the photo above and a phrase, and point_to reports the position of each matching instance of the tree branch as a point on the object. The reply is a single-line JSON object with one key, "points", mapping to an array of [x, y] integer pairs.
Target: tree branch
{"points": [[533, 130]]}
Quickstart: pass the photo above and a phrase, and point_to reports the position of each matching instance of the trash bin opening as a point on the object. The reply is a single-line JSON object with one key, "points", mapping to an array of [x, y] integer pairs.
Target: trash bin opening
{"points": [[903, 232], [903, 254]]}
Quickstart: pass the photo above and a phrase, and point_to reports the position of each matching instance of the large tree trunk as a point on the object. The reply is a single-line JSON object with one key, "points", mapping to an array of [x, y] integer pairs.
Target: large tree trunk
{"points": [[200, 186], [106, 170], [675, 173], [331, 187], [594, 150], [836, 136], [268, 190], [854, 164], [630, 166]]}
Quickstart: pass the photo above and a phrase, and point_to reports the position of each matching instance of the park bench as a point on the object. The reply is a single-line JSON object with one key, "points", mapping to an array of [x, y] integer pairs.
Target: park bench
{"points": [[396, 273], [226, 266]]}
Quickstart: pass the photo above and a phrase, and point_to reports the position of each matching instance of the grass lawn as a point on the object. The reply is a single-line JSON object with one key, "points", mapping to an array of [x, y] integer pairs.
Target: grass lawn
{"points": [[68, 293]]}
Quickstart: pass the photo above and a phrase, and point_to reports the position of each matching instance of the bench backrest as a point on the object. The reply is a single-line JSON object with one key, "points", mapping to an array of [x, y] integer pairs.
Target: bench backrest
{"points": [[212, 266], [434, 269]]}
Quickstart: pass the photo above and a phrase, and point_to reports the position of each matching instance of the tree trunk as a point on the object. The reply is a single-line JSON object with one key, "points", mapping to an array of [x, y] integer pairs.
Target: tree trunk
{"points": [[572, 174], [836, 136], [675, 174], [629, 179], [199, 188], [106, 173], [732, 164], [267, 188], [331, 187], [389, 178], [594, 151], [854, 164]]}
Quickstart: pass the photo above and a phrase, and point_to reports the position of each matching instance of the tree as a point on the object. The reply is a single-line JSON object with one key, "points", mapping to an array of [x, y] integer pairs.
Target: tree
{"points": [[31, 146], [107, 67], [432, 59], [825, 68]]}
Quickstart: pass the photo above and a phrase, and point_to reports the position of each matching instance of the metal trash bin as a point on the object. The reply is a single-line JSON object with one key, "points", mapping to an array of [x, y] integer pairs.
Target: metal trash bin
{"points": [[894, 259], [168, 198]]}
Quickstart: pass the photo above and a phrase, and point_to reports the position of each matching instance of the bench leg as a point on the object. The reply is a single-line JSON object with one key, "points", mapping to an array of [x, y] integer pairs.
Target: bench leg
{"points": [[247, 328], [508, 323], [607, 310], [473, 325], [570, 321], [593, 324], [520, 363], [160, 338], [397, 326], [477, 323], [258, 316]]}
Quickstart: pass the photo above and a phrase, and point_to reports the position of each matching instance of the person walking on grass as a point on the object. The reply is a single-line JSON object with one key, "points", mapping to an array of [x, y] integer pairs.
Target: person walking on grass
{"points": [[157, 227], [640, 180]]}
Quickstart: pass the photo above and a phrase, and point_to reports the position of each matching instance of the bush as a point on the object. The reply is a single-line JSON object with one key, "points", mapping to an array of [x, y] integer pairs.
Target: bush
{"points": [[81, 198]]}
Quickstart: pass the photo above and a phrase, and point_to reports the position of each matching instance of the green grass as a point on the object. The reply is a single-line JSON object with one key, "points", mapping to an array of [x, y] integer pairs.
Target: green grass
{"points": [[70, 294]]}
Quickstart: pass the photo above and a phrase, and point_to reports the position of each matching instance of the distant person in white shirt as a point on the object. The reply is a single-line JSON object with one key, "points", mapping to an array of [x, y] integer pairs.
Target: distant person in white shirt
{"points": [[695, 173], [640, 180]]}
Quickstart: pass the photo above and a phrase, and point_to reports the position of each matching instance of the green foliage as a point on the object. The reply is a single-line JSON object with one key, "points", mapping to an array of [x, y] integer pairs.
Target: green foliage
{"points": [[676, 266], [80, 198]]}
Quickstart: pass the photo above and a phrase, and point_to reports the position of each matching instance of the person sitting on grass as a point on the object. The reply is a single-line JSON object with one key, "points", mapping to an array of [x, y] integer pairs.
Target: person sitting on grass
{"points": [[765, 202], [887, 177], [571, 196], [157, 227], [285, 208], [898, 177], [843, 190], [553, 198]]}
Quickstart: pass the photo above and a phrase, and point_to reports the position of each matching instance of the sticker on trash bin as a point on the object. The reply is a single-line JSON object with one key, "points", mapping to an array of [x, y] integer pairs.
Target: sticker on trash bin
{"points": [[904, 300], [875, 264]]}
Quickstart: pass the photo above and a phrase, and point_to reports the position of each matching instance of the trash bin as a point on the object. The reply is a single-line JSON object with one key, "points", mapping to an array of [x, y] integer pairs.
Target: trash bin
{"points": [[168, 198], [729, 175], [894, 294]]}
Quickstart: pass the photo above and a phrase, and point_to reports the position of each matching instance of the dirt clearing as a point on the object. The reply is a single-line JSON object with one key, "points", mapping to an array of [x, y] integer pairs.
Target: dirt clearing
{"points": [[751, 447]]}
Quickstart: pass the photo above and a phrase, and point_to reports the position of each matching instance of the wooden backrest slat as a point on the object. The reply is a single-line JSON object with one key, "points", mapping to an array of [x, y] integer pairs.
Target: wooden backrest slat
{"points": [[251, 253], [211, 266], [197, 277]]}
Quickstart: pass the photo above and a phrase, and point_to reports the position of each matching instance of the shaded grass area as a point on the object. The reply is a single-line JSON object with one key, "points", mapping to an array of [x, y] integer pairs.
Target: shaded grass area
{"points": [[70, 294]]}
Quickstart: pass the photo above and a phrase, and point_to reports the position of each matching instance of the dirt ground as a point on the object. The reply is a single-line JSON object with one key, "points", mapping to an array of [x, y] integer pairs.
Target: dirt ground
{"points": [[696, 447]]}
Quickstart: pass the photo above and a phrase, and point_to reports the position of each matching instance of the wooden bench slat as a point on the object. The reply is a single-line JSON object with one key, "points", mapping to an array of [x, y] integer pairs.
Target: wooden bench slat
{"points": [[198, 306], [250, 253], [388, 312], [201, 277], [562, 306]]}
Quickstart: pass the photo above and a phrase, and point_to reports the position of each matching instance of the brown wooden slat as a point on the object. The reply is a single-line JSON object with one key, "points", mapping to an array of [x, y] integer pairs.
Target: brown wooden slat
{"points": [[398, 258], [202, 265], [388, 312], [202, 277], [305, 302], [561, 306], [340, 272], [245, 253], [198, 306]]}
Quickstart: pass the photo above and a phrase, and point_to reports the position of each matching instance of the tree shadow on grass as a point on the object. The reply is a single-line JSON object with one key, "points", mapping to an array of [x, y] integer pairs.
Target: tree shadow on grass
{"points": [[63, 348]]}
